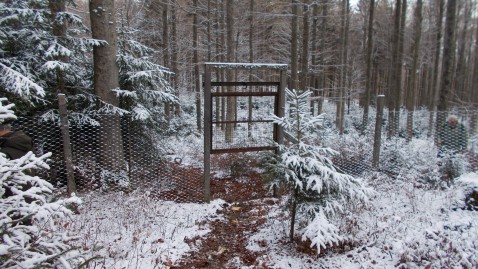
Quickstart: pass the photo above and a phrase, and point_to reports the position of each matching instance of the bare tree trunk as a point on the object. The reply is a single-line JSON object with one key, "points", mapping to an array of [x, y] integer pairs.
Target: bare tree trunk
{"points": [[314, 79], [59, 31], [174, 60], [415, 50], [231, 102], [461, 71], [447, 65], [436, 66], [369, 60], [165, 45], [474, 87], [105, 79], [294, 59], [251, 60], [196, 64], [392, 96], [343, 69], [305, 48]]}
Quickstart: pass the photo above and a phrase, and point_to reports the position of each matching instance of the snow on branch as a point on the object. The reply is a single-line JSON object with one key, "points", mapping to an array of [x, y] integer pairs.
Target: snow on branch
{"points": [[6, 111], [19, 84]]}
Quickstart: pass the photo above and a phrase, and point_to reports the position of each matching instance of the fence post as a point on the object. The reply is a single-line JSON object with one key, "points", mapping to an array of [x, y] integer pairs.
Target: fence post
{"points": [[207, 133], [71, 184], [378, 131]]}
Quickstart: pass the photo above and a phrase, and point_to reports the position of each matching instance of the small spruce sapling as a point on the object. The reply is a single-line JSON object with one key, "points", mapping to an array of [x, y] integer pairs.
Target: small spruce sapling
{"points": [[319, 191], [31, 224]]}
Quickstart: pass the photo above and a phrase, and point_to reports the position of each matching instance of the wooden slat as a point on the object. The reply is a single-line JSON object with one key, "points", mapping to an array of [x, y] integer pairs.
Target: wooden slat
{"points": [[217, 94], [235, 150]]}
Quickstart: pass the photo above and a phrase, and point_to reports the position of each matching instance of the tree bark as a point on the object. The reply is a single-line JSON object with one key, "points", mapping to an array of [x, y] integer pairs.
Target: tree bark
{"points": [[305, 48], [196, 64], [59, 32], [447, 64], [369, 60], [436, 67], [231, 101], [294, 61], [415, 50], [105, 79]]}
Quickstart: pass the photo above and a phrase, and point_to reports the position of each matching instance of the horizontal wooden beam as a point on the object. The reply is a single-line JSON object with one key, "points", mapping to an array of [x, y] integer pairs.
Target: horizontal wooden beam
{"points": [[241, 121], [244, 83], [235, 150], [216, 94]]}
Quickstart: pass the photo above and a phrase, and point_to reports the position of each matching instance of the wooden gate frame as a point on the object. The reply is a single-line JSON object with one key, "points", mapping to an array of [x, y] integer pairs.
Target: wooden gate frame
{"points": [[278, 135]]}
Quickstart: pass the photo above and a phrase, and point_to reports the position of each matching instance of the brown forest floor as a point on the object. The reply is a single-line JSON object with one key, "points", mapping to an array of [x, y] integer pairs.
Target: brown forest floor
{"points": [[243, 215]]}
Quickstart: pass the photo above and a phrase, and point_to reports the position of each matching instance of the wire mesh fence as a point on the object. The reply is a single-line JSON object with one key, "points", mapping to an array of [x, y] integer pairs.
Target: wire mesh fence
{"points": [[112, 153], [122, 154]]}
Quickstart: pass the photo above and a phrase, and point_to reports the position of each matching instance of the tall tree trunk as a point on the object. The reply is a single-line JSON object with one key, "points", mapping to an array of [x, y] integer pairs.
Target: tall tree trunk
{"points": [[368, 60], [165, 47], [321, 60], [343, 68], [415, 50], [174, 60], [294, 57], [59, 32], [448, 63], [392, 100], [231, 101], [314, 78], [305, 48], [399, 81], [196, 65], [474, 87], [251, 60], [105, 80], [461, 65], [436, 66]]}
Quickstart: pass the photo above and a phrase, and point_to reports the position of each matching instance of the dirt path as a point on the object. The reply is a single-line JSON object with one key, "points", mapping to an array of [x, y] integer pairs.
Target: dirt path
{"points": [[225, 246]]}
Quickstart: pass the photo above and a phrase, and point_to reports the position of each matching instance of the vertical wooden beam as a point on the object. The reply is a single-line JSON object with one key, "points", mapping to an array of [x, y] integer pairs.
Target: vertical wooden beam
{"points": [[378, 131], [207, 133], [281, 109], [71, 184]]}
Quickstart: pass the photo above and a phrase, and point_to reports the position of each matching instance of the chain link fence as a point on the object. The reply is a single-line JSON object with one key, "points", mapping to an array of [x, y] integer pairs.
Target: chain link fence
{"points": [[122, 154], [111, 153]]}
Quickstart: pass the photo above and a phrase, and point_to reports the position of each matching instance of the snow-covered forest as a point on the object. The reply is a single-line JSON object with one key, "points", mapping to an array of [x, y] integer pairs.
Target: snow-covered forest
{"points": [[375, 144]]}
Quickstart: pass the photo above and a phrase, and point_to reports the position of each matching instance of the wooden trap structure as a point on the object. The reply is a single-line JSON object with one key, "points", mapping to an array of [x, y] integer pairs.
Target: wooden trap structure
{"points": [[239, 100]]}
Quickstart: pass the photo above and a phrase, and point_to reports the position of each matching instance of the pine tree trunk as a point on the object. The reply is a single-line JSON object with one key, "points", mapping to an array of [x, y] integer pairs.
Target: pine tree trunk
{"points": [[231, 102], [174, 60], [436, 68], [196, 64], [294, 57], [392, 96], [415, 50], [368, 60], [59, 32], [305, 48], [105, 79], [448, 63], [165, 44]]}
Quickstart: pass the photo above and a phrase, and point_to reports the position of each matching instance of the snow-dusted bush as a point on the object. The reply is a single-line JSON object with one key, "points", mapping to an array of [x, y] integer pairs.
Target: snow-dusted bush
{"points": [[319, 190], [31, 222]]}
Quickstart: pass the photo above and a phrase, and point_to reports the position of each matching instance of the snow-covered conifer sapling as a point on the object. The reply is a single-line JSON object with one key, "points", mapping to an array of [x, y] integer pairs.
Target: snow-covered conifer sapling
{"points": [[319, 191]]}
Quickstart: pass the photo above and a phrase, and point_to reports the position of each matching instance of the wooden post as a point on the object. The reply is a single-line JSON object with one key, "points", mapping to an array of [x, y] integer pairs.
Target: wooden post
{"points": [[207, 133], [71, 184], [280, 111], [378, 131]]}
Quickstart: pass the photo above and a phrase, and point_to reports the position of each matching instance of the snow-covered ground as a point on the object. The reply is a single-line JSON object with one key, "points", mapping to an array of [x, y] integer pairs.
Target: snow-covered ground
{"points": [[403, 226], [136, 231]]}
